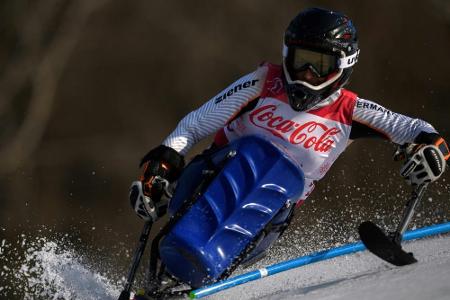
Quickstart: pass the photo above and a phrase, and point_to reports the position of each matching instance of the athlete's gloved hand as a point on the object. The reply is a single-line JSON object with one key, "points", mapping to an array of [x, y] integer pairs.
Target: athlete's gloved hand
{"points": [[425, 163], [161, 166]]}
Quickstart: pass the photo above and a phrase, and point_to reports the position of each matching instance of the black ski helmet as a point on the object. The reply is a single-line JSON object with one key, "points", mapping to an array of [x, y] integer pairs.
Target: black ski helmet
{"points": [[331, 35]]}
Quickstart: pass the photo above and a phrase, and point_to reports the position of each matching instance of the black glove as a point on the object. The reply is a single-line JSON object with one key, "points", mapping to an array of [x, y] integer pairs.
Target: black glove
{"points": [[162, 165], [426, 160], [434, 139]]}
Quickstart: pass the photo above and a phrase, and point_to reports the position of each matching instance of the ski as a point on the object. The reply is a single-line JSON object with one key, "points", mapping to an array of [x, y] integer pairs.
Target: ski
{"points": [[383, 246], [388, 246]]}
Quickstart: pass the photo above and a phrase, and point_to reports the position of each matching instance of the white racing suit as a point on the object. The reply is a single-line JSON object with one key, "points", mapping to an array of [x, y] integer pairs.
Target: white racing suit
{"points": [[257, 104]]}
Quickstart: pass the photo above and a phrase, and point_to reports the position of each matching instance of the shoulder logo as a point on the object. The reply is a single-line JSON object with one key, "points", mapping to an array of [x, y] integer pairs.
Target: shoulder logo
{"points": [[373, 106], [235, 89]]}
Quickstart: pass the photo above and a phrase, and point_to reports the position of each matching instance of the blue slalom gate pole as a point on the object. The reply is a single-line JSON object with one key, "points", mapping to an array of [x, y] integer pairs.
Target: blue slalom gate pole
{"points": [[309, 259]]}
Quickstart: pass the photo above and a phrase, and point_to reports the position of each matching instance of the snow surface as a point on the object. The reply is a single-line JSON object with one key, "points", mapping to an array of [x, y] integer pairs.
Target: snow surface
{"points": [[359, 276], [52, 271]]}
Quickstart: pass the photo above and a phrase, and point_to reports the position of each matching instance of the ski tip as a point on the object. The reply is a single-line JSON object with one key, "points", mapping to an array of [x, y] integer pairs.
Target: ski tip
{"points": [[367, 229], [124, 295], [377, 242]]}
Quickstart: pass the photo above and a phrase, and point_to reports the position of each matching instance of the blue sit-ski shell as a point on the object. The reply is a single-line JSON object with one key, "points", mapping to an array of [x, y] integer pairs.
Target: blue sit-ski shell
{"points": [[240, 201]]}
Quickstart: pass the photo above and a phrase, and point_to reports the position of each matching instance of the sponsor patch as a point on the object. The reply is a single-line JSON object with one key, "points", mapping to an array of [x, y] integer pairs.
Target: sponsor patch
{"points": [[311, 135], [372, 106], [235, 89]]}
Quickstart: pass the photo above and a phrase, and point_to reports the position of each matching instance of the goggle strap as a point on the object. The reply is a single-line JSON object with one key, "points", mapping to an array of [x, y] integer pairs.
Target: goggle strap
{"points": [[348, 61]]}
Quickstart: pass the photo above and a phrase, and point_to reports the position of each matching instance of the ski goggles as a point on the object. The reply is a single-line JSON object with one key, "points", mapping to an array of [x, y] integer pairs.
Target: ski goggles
{"points": [[321, 64], [331, 65]]}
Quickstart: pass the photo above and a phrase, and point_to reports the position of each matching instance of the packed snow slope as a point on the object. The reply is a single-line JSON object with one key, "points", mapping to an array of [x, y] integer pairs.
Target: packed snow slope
{"points": [[51, 269], [359, 276]]}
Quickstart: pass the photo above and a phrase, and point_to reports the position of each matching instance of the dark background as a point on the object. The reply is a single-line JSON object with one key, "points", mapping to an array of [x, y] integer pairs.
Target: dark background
{"points": [[88, 87]]}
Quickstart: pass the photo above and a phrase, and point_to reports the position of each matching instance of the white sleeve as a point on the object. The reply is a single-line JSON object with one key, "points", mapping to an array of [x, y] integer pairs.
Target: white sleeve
{"points": [[215, 113], [398, 128]]}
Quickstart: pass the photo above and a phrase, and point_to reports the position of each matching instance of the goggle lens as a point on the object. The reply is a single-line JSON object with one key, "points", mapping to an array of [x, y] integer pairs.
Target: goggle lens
{"points": [[323, 64]]}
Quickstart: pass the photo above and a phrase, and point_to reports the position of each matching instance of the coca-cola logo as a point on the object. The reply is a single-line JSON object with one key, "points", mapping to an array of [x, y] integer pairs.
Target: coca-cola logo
{"points": [[311, 134]]}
